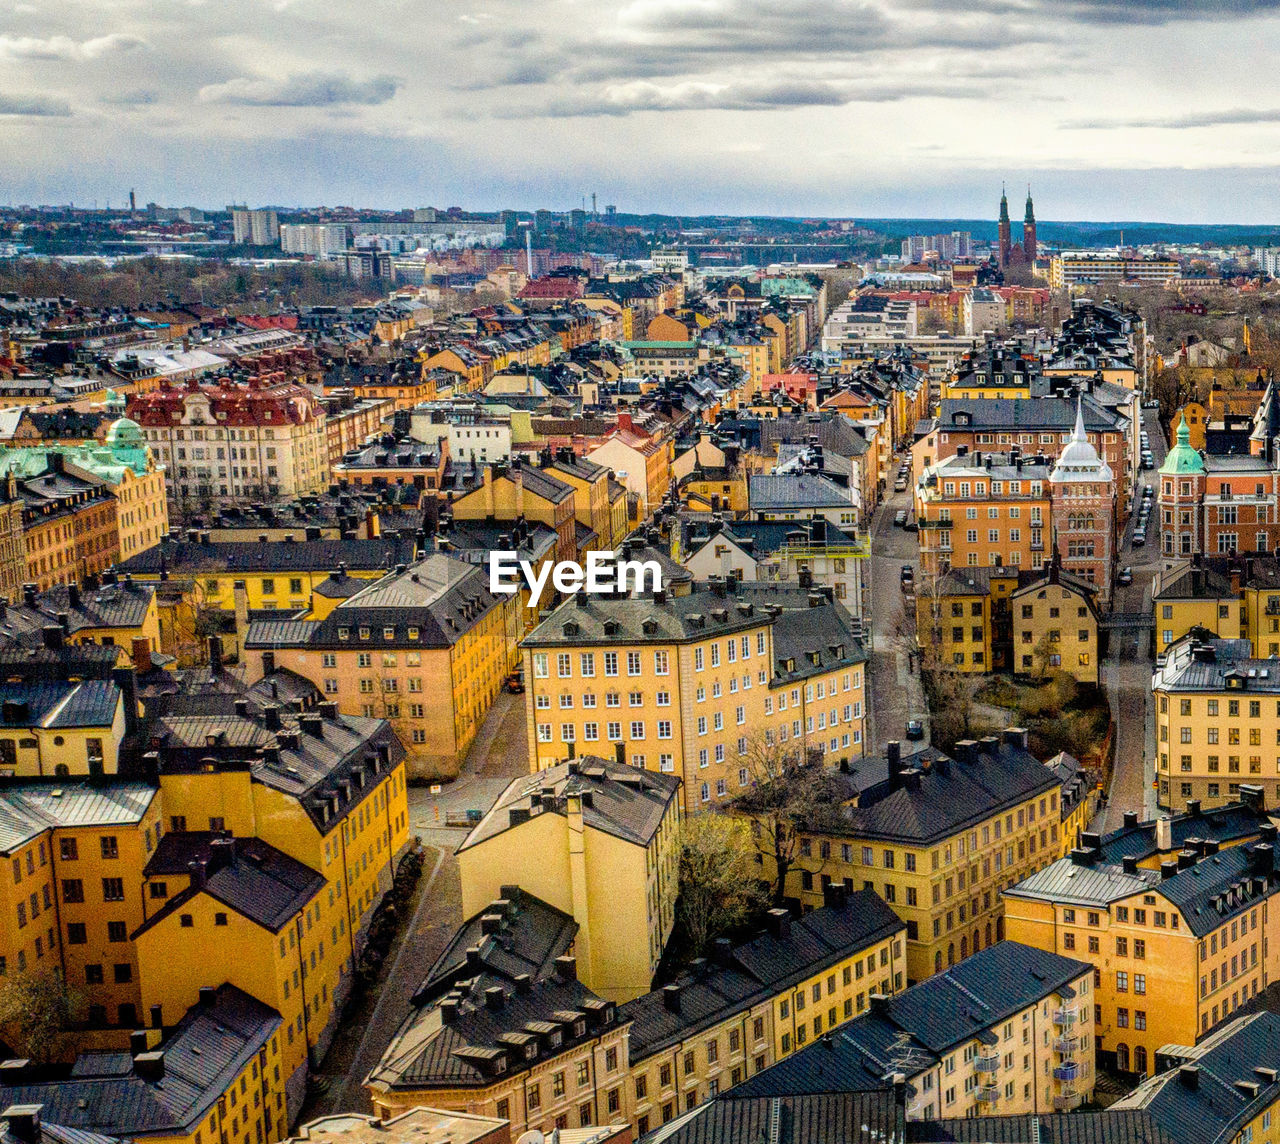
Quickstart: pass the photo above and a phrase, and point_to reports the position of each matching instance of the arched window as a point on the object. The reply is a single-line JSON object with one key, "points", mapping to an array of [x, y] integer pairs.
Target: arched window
{"points": [[937, 962], [1122, 1057], [951, 953], [964, 947], [1000, 929], [988, 933], [1140, 1059]]}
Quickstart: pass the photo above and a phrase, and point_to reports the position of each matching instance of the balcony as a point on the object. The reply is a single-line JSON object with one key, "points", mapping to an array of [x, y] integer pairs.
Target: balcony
{"points": [[1065, 1045], [1067, 1071], [1064, 1017], [988, 1094], [1067, 1100], [987, 1064]]}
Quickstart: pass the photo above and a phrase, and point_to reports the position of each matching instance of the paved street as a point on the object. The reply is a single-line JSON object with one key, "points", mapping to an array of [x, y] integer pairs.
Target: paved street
{"points": [[1126, 672], [893, 694], [499, 754]]}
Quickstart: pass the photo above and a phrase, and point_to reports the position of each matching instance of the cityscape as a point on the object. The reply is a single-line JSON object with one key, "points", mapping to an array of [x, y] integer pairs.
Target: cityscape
{"points": [[894, 418]]}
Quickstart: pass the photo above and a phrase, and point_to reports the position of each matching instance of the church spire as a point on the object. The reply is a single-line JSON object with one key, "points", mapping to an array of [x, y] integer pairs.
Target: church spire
{"points": [[1004, 204], [1030, 215]]}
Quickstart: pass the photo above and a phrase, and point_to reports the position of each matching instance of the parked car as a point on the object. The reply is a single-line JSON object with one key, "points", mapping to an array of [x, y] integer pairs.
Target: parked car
{"points": [[515, 682], [915, 730], [1139, 537], [908, 577], [1151, 405], [900, 517], [900, 485], [1125, 577]]}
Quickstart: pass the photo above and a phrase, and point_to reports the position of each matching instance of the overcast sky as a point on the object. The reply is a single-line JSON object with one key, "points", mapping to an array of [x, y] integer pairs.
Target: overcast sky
{"points": [[1113, 109]]}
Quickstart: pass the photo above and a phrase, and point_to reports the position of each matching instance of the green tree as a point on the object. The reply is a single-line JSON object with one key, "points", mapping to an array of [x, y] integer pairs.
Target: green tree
{"points": [[720, 885], [35, 1010]]}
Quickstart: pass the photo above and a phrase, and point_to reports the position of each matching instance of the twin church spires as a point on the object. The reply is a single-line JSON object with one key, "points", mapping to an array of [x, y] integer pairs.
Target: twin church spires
{"points": [[1024, 252]]}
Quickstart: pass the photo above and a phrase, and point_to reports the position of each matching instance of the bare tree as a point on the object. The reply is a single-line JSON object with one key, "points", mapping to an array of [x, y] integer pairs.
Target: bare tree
{"points": [[36, 1010], [720, 884], [788, 793]]}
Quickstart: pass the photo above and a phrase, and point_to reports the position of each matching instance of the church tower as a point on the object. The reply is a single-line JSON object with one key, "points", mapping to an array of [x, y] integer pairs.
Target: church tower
{"points": [[1029, 229], [1006, 233], [1082, 508]]}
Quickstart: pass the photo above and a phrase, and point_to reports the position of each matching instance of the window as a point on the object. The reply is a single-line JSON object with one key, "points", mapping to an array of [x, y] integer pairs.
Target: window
{"points": [[67, 849], [72, 890], [110, 848], [113, 889]]}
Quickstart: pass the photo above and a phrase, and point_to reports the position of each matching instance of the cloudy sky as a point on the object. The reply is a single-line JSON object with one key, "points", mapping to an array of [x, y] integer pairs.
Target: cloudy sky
{"points": [[1113, 109]]}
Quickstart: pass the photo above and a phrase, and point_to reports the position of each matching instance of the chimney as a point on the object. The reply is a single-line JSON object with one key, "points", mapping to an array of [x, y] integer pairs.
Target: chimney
{"points": [[149, 1066], [208, 995], [1164, 834], [495, 998], [52, 635], [157, 1017], [566, 969], [1262, 857], [141, 654], [448, 1010], [1016, 737], [1168, 869], [197, 871], [1189, 1075], [271, 717], [23, 1121], [779, 922], [1130, 818], [1130, 864], [1186, 859], [268, 662], [215, 654], [893, 757], [1193, 807], [671, 998], [138, 1042]]}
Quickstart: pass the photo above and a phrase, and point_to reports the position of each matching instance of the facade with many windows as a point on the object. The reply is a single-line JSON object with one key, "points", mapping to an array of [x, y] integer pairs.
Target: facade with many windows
{"points": [[692, 685]]}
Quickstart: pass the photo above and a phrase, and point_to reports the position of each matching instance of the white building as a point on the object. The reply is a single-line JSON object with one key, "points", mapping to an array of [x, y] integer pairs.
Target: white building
{"points": [[255, 228], [319, 239], [983, 310]]}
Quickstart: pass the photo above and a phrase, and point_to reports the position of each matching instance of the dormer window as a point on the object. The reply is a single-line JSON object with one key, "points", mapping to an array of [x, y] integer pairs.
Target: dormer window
{"points": [[365, 633], [413, 634], [344, 633], [388, 633]]}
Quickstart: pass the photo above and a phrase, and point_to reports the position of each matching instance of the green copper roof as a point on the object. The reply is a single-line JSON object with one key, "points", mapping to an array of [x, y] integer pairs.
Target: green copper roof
{"points": [[1182, 457]]}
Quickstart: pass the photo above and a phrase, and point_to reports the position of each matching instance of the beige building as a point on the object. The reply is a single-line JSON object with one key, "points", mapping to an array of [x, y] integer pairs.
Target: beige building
{"points": [[607, 842], [1055, 627]]}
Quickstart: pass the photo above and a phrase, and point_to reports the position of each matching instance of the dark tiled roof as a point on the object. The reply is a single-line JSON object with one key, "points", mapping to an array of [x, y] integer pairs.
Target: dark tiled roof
{"points": [[948, 794], [936, 1016], [35, 664], [826, 1118], [1224, 824], [747, 974], [440, 597], [818, 639], [183, 558], [90, 703], [519, 934], [116, 605], [625, 801], [203, 1055], [246, 875], [1114, 1126], [772, 492], [1049, 413], [1217, 1109]]}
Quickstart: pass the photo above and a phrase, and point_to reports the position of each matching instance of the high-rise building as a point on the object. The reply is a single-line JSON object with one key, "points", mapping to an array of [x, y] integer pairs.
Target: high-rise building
{"points": [[254, 228]]}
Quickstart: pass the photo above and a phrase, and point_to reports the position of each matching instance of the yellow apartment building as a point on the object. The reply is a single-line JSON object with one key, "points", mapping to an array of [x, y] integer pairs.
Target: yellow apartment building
{"points": [[685, 684], [938, 839], [1055, 627], [520, 490], [1174, 951], [1004, 1033], [1217, 723], [591, 494], [237, 1096], [753, 1004], [425, 648], [607, 836], [979, 510], [962, 618], [61, 728], [70, 891], [1231, 598]]}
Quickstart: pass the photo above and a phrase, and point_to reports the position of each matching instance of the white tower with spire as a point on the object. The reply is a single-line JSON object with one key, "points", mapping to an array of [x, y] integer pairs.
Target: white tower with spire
{"points": [[1082, 499]]}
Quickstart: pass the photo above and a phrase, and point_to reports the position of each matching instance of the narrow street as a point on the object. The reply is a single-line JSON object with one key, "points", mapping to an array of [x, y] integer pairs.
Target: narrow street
{"points": [[500, 753], [1126, 671], [894, 693]]}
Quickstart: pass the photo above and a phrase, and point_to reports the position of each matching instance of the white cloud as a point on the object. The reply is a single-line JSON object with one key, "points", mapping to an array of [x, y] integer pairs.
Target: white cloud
{"points": [[302, 89], [65, 48]]}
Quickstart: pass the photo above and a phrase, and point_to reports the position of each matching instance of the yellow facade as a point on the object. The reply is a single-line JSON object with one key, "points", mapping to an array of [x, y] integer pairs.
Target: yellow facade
{"points": [[621, 893], [1156, 982], [689, 708], [1055, 628]]}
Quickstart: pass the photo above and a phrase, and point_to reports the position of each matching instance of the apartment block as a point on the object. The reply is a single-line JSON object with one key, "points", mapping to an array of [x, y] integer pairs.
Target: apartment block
{"points": [[683, 684], [938, 838], [1174, 951]]}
